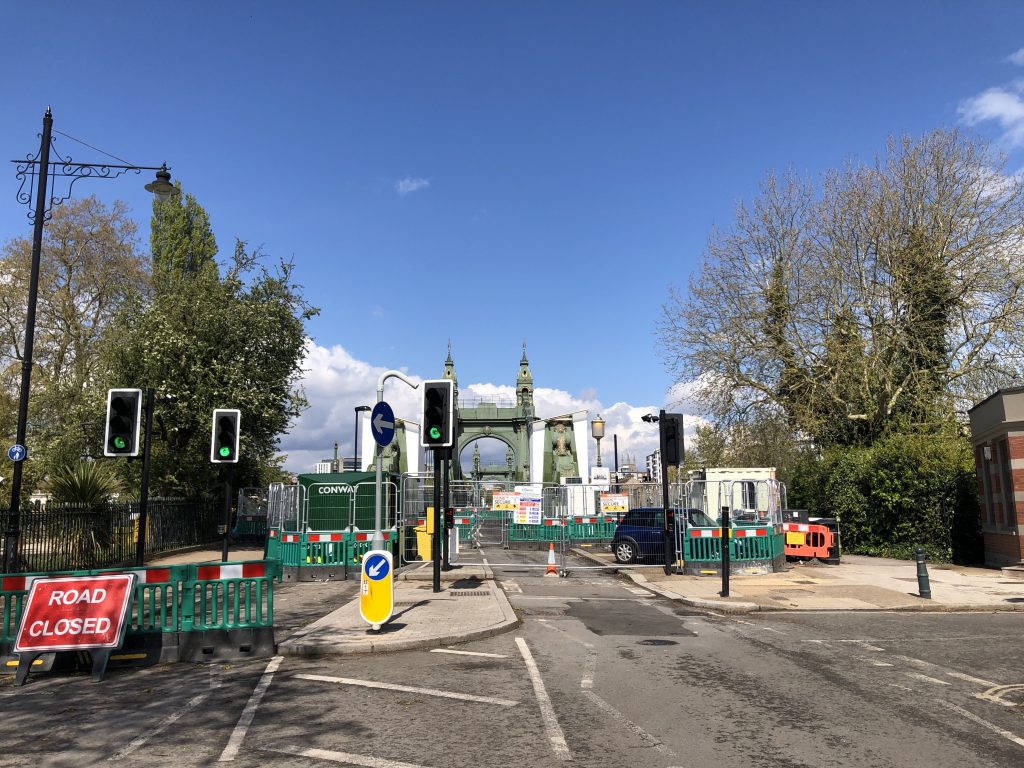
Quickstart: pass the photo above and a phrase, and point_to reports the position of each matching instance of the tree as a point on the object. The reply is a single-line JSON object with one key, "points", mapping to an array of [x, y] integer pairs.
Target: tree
{"points": [[89, 265], [212, 342], [891, 295], [182, 243]]}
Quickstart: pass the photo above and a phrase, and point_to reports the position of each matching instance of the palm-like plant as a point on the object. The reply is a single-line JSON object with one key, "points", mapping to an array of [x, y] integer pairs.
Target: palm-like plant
{"points": [[86, 483]]}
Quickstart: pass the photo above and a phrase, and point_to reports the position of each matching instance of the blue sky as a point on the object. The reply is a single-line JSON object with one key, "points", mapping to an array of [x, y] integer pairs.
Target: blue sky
{"points": [[491, 172]]}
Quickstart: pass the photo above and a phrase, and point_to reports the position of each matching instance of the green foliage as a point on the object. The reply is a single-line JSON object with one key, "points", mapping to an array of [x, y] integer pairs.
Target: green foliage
{"points": [[903, 491], [181, 240], [211, 342], [86, 482]]}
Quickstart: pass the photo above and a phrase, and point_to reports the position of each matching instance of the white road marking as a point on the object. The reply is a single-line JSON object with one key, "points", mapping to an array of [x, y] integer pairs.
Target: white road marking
{"points": [[547, 711], [410, 689], [168, 721], [969, 678], [589, 669], [919, 676], [921, 664], [643, 600], [995, 694], [245, 720], [874, 662], [608, 709], [863, 644], [469, 653], [992, 727], [342, 757]]}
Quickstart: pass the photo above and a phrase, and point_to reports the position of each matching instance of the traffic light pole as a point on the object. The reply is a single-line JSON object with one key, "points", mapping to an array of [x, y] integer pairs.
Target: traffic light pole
{"points": [[668, 537], [446, 555], [229, 470], [436, 543], [140, 547]]}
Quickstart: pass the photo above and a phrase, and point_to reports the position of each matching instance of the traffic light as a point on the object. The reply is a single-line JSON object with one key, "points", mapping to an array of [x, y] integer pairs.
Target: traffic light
{"points": [[449, 519], [224, 439], [124, 411], [672, 427], [438, 414]]}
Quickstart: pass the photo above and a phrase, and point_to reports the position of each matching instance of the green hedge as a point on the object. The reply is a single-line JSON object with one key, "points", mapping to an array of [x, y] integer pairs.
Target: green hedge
{"points": [[904, 491]]}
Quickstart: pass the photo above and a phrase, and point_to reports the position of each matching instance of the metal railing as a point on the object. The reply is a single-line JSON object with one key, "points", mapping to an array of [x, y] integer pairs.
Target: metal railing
{"points": [[69, 537]]}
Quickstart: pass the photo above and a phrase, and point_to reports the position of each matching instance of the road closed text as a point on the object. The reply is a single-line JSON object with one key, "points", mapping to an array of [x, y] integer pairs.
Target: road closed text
{"points": [[75, 612], [94, 625]]}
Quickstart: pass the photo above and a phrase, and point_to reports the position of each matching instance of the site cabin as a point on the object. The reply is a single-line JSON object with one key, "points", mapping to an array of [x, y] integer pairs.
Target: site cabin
{"points": [[751, 493]]}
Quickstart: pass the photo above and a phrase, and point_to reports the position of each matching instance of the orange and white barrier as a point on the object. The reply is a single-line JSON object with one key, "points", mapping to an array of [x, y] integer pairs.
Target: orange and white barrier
{"points": [[807, 540]]}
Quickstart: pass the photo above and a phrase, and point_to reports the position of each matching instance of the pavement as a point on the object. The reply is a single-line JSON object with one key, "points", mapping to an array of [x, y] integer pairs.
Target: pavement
{"points": [[471, 605]]}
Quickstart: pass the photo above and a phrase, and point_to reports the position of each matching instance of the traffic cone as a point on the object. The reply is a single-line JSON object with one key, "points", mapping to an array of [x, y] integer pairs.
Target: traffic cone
{"points": [[552, 570]]}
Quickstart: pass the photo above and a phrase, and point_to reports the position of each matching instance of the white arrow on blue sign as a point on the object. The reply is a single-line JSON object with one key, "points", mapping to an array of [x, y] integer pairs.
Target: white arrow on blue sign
{"points": [[382, 424], [376, 567]]}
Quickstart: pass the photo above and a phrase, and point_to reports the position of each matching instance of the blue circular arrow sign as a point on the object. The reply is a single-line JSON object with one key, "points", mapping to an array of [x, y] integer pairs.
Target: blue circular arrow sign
{"points": [[376, 567], [382, 424], [17, 452]]}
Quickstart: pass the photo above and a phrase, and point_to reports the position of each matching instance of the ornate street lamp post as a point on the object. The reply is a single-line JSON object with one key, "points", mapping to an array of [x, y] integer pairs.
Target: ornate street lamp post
{"points": [[597, 431], [27, 171]]}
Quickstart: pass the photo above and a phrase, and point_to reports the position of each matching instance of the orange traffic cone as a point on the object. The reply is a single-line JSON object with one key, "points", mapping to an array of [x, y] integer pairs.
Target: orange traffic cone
{"points": [[552, 570]]}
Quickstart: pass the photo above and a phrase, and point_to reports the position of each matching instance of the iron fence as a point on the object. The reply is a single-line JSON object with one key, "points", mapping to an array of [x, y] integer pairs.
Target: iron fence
{"points": [[68, 537]]}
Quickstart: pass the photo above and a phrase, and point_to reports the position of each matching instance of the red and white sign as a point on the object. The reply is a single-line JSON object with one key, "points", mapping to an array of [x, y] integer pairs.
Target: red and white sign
{"points": [[71, 613]]}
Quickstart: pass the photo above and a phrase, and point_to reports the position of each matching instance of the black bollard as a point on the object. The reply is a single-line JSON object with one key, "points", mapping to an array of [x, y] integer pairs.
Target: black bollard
{"points": [[726, 539], [923, 587]]}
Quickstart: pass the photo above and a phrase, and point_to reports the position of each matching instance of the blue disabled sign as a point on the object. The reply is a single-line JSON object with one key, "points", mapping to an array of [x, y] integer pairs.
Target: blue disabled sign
{"points": [[382, 424], [17, 452]]}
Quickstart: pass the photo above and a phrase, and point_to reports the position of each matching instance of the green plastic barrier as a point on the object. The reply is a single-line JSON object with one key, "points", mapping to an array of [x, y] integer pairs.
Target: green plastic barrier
{"points": [[174, 598]]}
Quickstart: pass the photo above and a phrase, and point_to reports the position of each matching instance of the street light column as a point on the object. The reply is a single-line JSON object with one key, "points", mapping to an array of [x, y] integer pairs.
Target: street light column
{"points": [[64, 167], [597, 431], [13, 519]]}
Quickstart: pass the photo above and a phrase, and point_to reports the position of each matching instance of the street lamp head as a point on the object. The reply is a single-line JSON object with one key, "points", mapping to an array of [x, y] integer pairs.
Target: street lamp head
{"points": [[597, 427], [161, 186], [650, 418]]}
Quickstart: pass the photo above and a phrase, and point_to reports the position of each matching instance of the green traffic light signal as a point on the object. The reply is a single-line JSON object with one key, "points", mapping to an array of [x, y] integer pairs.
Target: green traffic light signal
{"points": [[435, 433], [225, 451], [119, 443]]}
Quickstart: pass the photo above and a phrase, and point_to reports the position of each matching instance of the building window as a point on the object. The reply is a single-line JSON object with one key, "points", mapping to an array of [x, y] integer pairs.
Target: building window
{"points": [[1006, 480], [985, 470]]}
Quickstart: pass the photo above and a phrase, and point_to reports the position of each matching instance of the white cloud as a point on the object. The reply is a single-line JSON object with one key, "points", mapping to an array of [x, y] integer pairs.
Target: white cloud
{"points": [[1002, 105], [411, 184], [335, 383], [1017, 57]]}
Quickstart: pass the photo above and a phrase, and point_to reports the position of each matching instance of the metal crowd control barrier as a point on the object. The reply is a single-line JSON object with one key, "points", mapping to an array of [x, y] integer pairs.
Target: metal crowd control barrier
{"points": [[322, 530], [251, 517], [757, 539], [178, 613]]}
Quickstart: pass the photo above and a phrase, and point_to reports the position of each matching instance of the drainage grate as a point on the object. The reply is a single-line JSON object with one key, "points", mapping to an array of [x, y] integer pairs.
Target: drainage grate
{"points": [[457, 593]]}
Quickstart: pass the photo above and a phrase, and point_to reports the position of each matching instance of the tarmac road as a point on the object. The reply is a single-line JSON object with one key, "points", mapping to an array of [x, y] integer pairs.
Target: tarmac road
{"points": [[600, 672]]}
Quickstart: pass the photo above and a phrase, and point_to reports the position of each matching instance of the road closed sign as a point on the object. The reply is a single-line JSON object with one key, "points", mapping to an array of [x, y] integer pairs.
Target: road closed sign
{"points": [[377, 588], [72, 613]]}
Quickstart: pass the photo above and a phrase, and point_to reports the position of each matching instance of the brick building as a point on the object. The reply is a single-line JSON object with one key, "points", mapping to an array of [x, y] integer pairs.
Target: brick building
{"points": [[997, 436]]}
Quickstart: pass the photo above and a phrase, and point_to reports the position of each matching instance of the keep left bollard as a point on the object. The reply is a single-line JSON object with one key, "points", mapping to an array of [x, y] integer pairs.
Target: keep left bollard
{"points": [[923, 587]]}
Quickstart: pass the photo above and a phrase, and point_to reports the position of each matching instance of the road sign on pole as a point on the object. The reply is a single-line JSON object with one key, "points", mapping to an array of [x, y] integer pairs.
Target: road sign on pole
{"points": [[382, 424], [377, 588]]}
